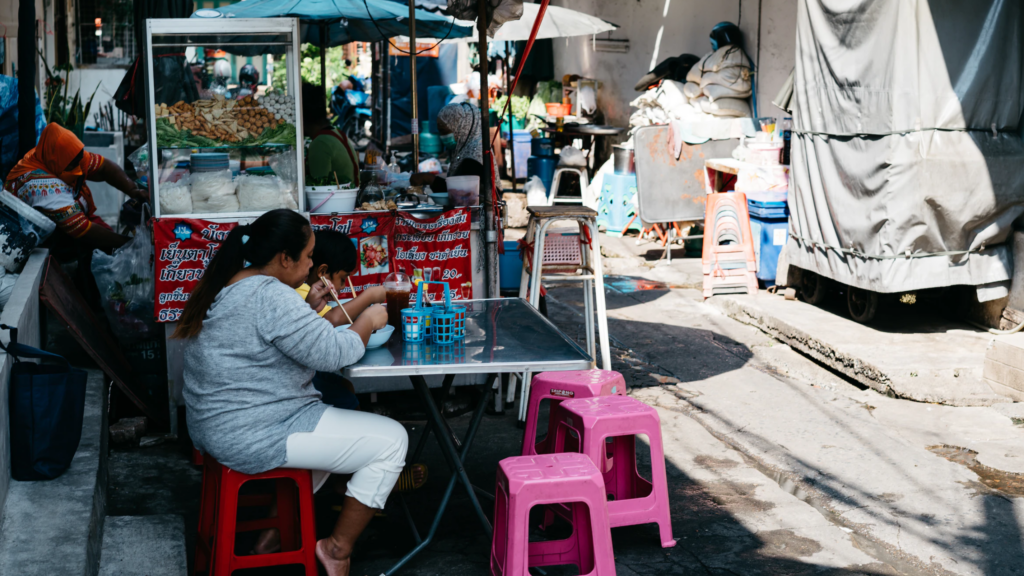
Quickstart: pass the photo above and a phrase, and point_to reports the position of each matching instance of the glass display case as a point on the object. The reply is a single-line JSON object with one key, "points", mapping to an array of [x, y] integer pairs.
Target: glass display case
{"points": [[224, 117]]}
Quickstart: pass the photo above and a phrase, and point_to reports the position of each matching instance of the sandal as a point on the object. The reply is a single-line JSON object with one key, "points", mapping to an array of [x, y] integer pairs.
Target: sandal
{"points": [[407, 479]]}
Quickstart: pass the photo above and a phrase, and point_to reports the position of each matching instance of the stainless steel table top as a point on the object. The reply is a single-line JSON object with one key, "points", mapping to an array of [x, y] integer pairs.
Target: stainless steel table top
{"points": [[502, 335]]}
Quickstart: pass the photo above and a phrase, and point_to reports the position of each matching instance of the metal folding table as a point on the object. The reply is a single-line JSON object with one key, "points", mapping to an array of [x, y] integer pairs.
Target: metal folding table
{"points": [[502, 336]]}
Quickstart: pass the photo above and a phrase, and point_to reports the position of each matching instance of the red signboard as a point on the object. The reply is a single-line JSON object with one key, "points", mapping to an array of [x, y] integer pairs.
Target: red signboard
{"points": [[432, 249], [435, 249], [184, 247]]}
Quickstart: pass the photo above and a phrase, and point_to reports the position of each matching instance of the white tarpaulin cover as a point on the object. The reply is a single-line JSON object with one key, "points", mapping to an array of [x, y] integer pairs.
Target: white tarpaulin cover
{"points": [[908, 162]]}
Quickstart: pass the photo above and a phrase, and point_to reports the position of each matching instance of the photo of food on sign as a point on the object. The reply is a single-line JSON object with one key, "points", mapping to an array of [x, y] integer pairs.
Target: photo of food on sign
{"points": [[373, 255]]}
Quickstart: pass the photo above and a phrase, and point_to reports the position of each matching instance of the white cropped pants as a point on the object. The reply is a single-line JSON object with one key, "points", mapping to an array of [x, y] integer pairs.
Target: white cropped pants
{"points": [[368, 446]]}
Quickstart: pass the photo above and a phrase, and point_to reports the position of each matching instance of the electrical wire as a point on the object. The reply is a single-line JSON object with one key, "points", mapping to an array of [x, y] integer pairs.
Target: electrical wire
{"points": [[451, 27]]}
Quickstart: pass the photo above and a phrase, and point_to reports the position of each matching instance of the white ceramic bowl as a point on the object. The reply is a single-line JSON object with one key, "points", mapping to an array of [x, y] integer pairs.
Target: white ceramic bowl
{"points": [[378, 338], [341, 201]]}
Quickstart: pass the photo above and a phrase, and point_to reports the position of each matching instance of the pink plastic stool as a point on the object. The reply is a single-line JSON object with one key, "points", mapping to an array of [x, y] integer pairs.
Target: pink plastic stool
{"points": [[632, 500], [559, 386], [528, 481]]}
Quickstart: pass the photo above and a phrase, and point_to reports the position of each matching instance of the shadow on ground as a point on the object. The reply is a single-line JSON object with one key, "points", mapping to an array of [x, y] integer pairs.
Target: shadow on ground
{"points": [[159, 480]]}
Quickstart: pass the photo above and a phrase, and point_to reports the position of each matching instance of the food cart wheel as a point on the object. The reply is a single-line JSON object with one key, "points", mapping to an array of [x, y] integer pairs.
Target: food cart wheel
{"points": [[813, 287], [862, 304]]}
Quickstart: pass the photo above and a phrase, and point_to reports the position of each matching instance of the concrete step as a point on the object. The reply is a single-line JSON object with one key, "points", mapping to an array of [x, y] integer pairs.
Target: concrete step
{"points": [[144, 546], [929, 359], [56, 526]]}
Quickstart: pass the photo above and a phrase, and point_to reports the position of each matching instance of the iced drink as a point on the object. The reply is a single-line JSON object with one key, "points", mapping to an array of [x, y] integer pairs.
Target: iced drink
{"points": [[397, 288]]}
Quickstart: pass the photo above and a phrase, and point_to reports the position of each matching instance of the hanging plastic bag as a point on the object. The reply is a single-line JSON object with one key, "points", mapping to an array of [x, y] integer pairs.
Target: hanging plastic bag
{"points": [[571, 156], [125, 280], [536, 193]]}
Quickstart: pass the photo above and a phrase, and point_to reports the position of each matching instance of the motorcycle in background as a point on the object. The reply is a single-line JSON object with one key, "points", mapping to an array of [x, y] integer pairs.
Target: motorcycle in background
{"points": [[352, 113]]}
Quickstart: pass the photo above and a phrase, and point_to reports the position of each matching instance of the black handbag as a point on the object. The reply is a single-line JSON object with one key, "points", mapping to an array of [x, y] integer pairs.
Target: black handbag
{"points": [[46, 406]]}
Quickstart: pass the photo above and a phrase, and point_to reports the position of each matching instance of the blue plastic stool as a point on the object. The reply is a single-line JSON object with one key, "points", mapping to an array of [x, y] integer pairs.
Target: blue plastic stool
{"points": [[617, 209]]}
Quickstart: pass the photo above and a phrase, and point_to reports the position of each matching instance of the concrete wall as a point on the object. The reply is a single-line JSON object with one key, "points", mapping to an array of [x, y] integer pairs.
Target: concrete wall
{"points": [[104, 81], [658, 29], [22, 310]]}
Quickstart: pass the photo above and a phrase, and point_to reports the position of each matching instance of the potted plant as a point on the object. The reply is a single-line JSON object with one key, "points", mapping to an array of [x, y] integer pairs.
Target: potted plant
{"points": [[71, 113]]}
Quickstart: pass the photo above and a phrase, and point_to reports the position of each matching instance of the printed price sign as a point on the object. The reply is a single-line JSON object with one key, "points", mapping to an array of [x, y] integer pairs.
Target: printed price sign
{"points": [[184, 248], [433, 249]]}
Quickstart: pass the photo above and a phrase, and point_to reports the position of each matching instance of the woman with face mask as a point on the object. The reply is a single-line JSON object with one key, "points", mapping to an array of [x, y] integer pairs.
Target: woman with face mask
{"points": [[458, 126], [52, 179]]}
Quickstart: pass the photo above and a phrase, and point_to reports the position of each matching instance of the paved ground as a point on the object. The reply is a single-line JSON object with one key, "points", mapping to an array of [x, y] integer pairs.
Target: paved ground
{"points": [[776, 465]]}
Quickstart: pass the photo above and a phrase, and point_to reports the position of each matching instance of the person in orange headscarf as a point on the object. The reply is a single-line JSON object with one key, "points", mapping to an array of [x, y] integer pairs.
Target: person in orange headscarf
{"points": [[51, 178]]}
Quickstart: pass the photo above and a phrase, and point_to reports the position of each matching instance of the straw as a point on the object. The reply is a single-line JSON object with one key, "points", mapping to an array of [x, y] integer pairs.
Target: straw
{"points": [[336, 299]]}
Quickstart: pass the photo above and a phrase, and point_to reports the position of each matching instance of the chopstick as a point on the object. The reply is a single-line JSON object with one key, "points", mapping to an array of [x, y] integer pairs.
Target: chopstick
{"points": [[351, 287], [336, 299]]}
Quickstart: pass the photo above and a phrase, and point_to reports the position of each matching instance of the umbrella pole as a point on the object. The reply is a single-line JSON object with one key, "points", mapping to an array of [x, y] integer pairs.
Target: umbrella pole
{"points": [[323, 61], [491, 239], [511, 133], [415, 128]]}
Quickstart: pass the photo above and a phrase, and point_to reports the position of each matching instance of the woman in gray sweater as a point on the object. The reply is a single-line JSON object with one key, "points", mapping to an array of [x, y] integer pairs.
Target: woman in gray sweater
{"points": [[254, 347]]}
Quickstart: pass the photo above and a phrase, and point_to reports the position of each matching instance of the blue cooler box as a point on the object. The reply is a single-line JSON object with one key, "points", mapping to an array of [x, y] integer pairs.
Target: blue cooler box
{"points": [[769, 228]]}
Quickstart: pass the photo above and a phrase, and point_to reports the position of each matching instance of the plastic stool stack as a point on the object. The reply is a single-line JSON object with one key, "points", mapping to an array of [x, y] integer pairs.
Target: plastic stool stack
{"points": [[592, 422], [558, 387], [728, 256], [568, 479], [218, 523]]}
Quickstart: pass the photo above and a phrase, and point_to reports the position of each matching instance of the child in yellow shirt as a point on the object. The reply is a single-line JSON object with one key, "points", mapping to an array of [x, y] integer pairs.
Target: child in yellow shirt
{"points": [[335, 257]]}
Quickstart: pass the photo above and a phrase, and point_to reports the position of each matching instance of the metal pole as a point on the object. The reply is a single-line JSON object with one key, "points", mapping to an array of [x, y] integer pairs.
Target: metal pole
{"points": [[26, 76], [511, 134], [486, 183], [415, 128]]}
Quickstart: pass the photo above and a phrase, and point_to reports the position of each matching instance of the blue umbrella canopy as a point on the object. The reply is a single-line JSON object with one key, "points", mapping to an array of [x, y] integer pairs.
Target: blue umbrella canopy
{"points": [[346, 20]]}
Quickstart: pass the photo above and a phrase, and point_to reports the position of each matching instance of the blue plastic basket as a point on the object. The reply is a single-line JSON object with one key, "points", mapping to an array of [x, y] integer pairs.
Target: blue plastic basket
{"points": [[443, 323], [414, 324]]}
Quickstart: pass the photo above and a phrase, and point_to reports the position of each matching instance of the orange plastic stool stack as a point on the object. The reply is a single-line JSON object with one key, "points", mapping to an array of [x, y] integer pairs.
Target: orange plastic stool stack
{"points": [[728, 256]]}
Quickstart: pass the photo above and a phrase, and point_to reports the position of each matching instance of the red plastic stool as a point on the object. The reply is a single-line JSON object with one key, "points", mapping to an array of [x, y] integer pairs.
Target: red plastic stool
{"points": [[569, 479], [559, 386], [632, 500], [218, 521]]}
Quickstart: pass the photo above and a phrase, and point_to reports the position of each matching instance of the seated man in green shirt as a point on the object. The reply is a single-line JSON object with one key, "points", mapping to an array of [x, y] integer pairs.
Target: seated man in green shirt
{"points": [[330, 152]]}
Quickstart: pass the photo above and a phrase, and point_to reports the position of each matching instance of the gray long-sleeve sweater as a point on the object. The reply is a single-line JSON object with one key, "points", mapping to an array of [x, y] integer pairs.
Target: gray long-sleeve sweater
{"points": [[248, 375]]}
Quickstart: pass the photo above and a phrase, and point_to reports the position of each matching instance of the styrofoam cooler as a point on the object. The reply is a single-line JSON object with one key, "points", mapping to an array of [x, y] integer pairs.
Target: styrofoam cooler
{"points": [[769, 228]]}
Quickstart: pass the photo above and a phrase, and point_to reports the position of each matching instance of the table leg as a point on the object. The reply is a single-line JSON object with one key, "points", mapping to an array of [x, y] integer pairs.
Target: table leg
{"points": [[448, 449], [446, 387], [461, 457]]}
